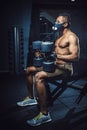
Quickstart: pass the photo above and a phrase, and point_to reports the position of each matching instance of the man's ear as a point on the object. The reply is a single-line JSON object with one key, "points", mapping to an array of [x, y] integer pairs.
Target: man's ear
{"points": [[65, 24]]}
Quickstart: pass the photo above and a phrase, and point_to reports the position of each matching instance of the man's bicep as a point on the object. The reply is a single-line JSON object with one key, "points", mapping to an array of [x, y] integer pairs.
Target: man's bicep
{"points": [[73, 47]]}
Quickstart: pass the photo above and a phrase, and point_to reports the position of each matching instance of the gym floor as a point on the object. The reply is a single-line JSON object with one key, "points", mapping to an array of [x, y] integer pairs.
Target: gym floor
{"points": [[66, 113]]}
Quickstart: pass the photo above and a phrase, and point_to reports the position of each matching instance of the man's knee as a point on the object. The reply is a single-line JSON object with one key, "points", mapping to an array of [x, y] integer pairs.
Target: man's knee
{"points": [[37, 77]]}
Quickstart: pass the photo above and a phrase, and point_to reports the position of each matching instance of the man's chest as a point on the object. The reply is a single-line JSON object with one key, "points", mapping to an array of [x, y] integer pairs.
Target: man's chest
{"points": [[62, 42]]}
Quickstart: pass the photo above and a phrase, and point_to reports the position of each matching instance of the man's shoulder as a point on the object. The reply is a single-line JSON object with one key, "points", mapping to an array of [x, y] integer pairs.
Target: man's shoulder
{"points": [[72, 35]]}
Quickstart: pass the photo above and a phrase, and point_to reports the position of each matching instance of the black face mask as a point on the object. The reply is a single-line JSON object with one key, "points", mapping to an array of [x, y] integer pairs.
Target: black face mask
{"points": [[57, 26]]}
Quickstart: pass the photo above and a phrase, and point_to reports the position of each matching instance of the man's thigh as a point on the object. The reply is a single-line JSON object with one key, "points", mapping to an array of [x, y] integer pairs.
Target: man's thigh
{"points": [[52, 74]]}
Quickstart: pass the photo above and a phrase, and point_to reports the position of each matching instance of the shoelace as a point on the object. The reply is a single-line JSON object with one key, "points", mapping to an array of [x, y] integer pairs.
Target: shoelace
{"points": [[26, 98], [38, 116]]}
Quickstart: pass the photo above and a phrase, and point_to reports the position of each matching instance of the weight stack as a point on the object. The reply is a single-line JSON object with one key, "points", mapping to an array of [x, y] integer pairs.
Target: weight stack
{"points": [[16, 49]]}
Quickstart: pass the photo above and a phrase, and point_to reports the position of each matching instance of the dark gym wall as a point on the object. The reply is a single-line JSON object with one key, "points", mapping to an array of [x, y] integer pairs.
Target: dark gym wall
{"points": [[16, 14]]}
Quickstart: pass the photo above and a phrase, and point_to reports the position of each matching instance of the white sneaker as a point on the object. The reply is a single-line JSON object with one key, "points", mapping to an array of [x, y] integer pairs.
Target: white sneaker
{"points": [[39, 119], [27, 101]]}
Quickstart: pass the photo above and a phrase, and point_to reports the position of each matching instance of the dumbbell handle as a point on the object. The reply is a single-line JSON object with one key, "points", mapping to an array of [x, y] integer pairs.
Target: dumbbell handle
{"points": [[54, 55]]}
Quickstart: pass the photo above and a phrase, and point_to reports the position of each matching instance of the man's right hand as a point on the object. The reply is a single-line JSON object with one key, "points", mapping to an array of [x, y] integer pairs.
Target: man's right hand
{"points": [[37, 54]]}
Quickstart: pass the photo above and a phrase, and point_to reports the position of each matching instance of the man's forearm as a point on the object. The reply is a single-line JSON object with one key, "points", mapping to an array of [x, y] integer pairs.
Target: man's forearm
{"points": [[67, 57]]}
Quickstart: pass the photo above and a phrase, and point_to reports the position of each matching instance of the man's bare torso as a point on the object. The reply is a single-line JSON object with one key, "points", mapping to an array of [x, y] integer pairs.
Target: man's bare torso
{"points": [[62, 46]]}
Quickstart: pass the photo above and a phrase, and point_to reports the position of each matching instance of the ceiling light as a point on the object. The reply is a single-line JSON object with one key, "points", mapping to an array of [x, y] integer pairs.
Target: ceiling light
{"points": [[72, 0]]}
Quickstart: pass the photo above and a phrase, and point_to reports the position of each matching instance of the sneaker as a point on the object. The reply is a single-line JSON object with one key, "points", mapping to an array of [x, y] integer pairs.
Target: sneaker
{"points": [[39, 119], [27, 101]]}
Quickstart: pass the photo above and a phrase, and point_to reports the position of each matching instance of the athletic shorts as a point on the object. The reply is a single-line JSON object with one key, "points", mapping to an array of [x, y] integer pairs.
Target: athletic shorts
{"points": [[59, 70]]}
